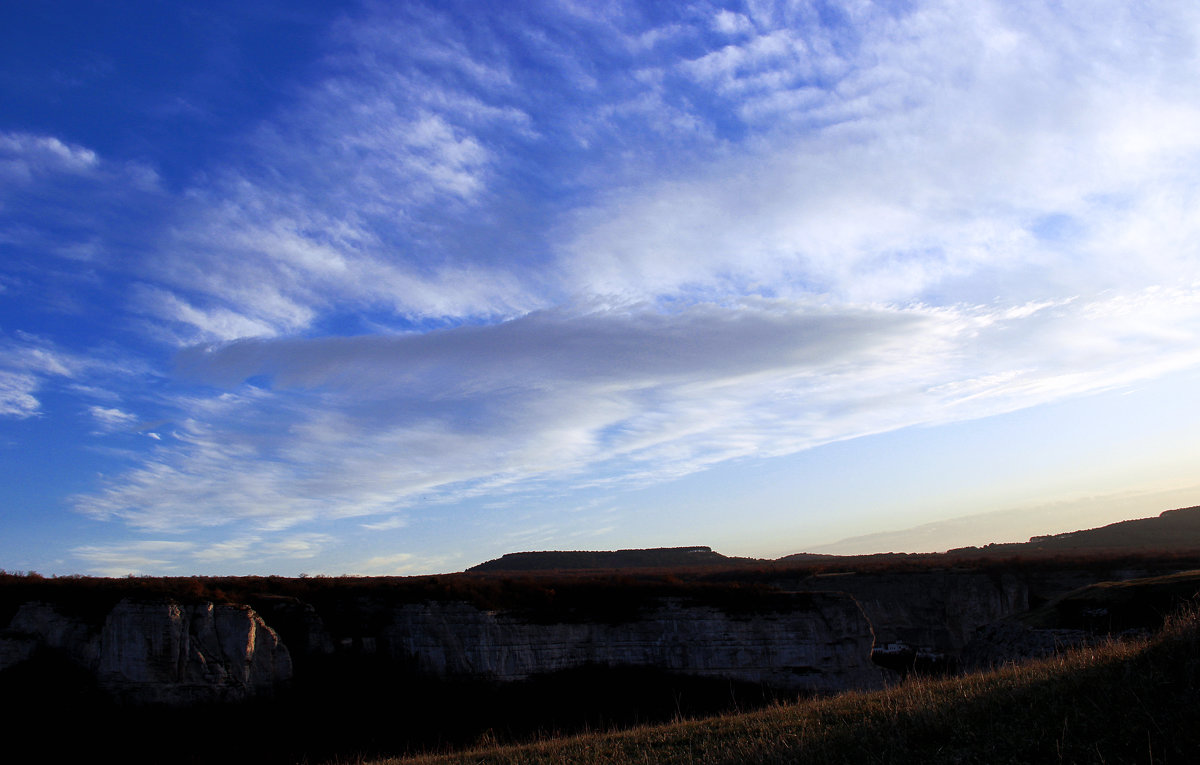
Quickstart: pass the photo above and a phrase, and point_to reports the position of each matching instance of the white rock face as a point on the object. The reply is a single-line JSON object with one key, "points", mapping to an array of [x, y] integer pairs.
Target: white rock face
{"points": [[190, 653], [823, 647], [163, 653]]}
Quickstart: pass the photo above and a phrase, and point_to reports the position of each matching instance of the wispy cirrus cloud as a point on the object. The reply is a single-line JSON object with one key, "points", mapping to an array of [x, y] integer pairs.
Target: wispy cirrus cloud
{"points": [[111, 418], [17, 391], [26, 364], [926, 165], [182, 557], [872, 154], [25, 156], [347, 427], [67, 213], [133, 557], [349, 193]]}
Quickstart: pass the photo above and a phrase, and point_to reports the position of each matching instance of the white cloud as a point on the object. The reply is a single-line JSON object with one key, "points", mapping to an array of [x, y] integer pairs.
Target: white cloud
{"points": [[251, 319], [26, 363], [17, 391], [382, 565], [731, 23], [771, 61], [884, 155], [228, 552], [366, 426], [353, 196], [395, 522], [25, 156], [111, 418], [133, 557], [296, 546], [191, 557], [399, 564], [926, 166]]}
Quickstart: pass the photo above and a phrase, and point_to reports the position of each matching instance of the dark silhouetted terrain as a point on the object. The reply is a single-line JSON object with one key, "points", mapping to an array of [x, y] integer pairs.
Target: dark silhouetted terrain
{"points": [[577, 560], [277, 670]]}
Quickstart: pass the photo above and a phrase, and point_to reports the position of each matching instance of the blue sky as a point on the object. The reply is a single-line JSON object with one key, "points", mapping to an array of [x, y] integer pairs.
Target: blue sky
{"points": [[382, 288]]}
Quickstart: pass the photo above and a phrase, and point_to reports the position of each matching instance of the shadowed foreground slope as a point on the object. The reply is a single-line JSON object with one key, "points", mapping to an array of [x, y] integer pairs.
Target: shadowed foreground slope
{"points": [[1135, 701]]}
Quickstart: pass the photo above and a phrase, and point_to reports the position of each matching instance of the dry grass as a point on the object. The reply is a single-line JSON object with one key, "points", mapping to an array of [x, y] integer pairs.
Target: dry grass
{"points": [[1123, 702]]}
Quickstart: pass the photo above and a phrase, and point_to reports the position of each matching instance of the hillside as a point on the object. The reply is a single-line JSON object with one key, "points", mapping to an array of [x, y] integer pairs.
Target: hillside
{"points": [[1171, 530], [1113, 607]]}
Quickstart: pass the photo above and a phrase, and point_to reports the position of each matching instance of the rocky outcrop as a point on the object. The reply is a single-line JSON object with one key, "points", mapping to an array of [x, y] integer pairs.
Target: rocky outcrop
{"points": [[1010, 642], [821, 645], [159, 652], [937, 611]]}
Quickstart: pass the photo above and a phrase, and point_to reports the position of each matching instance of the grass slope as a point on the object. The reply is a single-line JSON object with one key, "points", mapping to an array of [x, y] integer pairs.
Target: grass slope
{"points": [[1128, 702]]}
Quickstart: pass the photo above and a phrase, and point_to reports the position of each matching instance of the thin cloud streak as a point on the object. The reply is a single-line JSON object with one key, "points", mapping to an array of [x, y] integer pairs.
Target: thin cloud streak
{"points": [[27, 364], [242, 552]]}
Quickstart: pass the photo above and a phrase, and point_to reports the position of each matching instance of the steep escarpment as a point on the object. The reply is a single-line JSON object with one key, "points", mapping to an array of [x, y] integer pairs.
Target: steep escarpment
{"points": [[1094, 613], [162, 652], [821, 644], [158, 652], [934, 610], [942, 611]]}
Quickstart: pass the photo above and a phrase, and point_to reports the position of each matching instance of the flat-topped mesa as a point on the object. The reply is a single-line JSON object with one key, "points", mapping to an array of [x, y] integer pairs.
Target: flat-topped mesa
{"points": [[579, 560]]}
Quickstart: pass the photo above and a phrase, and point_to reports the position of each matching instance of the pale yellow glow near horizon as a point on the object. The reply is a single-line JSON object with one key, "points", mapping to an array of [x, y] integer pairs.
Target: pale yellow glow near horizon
{"points": [[1019, 524]]}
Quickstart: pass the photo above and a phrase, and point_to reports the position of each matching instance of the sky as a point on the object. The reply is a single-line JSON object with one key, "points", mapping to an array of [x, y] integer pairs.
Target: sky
{"points": [[395, 288]]}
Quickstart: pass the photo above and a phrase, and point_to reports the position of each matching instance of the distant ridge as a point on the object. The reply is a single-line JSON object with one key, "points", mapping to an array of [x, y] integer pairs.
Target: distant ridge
{"points": [[1179, 527], [576, 560], [1170, 530]]}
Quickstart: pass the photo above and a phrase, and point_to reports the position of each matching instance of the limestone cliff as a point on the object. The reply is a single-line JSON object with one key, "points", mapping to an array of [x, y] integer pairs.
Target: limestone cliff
{"points": [[802, 634], [934, 610], [159, 652], [162, 652], [822, 645], [942, 614]]}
